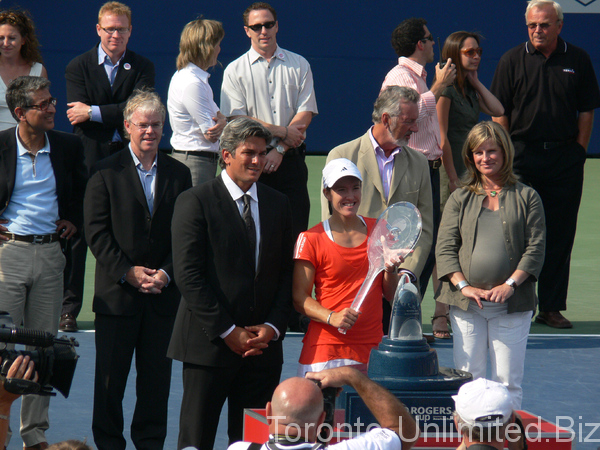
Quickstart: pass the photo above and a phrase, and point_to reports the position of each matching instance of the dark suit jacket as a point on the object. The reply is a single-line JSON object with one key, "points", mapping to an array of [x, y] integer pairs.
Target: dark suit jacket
{"points": [[214, 269], [66, 155], [122, 233], [87, 82]]}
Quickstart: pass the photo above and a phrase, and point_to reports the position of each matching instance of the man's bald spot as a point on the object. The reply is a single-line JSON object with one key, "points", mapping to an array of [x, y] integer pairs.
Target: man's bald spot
{"points": [[299, 399]]}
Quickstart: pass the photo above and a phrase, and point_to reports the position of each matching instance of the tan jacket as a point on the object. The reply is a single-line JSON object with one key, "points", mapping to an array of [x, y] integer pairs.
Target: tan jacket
{"points": [[410, 183], [524, 228]]}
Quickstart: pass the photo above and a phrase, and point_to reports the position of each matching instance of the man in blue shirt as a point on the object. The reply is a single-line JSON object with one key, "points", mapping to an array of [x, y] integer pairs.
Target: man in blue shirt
{"points": [[128, 208], [99, 82], [42, 180]]}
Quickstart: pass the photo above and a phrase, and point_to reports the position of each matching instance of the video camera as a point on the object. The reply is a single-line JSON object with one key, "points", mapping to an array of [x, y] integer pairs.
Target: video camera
{"points": [[55, 359]]}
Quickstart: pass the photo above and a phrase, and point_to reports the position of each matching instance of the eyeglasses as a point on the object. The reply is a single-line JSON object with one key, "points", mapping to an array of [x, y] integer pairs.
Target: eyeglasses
{"points": [[121, 31], [471, 52], [427, 38], [44, 105], [259, 26], [543, 26], [144, 126]]}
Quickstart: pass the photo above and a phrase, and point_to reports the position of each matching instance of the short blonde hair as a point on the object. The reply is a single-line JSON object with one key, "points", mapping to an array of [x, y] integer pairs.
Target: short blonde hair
{"points": [[116, 9], [198, 41], [480, 133], [143, 100]]}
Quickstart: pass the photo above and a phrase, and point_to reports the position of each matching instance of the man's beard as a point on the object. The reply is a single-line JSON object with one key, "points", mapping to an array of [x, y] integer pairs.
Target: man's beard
{"points": [[401, 142]]}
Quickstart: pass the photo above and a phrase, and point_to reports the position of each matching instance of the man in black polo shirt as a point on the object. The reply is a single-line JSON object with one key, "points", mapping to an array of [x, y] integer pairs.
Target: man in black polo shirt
{"points": [[549, 91]]}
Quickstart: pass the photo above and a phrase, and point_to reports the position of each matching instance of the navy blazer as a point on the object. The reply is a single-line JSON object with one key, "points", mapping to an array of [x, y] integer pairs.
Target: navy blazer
{"points": [[66, 156], [87, 83], [214, 269], [121, 232]]}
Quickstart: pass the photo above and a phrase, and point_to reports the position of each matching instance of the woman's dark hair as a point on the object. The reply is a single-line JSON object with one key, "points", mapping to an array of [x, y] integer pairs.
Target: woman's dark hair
{"points": [[451, 49]]}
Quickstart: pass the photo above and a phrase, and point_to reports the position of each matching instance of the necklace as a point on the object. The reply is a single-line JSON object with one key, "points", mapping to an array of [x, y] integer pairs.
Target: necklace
{"points": [[492, 192]]}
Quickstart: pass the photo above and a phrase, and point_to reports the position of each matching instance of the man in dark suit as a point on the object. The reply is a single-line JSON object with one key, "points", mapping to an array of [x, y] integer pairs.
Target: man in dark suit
{"points": [[99, 82], [232, 256], [42, 179], [127, 210]]}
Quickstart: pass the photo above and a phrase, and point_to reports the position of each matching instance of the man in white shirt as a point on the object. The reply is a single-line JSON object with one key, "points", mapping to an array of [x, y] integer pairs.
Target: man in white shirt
{"points": [[275, 87]]}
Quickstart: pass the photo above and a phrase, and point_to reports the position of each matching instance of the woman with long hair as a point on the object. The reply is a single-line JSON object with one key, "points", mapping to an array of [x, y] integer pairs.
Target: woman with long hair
{"points": [[19, 55], [194, 116], [458, 111]]}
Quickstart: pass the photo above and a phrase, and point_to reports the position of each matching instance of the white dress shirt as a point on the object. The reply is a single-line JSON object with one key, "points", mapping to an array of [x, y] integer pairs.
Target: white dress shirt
{"points": [[191, 108]]}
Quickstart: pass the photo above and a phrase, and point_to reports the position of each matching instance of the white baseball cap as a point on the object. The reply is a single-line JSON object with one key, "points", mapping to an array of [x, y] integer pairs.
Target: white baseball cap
{"points": [[483, 402], [339, 168]]}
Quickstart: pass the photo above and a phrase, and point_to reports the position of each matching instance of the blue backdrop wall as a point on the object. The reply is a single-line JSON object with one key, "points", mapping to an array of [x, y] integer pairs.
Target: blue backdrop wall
{"points": [[346, 42]]}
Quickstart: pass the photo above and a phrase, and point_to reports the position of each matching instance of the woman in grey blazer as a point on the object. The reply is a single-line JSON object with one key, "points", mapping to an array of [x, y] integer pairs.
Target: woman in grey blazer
{"points": [[489, 253]]}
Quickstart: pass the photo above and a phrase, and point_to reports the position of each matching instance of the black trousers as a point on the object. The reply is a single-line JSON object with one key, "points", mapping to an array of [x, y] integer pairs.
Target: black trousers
{"points": [[291, 179], [430, 263], [117, 338], [557, 175], [205, 390], [74, 275]]}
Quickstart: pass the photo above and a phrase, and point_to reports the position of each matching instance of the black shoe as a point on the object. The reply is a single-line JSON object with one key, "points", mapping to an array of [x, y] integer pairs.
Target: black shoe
{"points": [[68, 323]]}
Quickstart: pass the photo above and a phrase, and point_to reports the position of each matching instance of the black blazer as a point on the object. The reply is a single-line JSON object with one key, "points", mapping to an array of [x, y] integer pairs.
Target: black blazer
{"points": [[121, 232], [214, 269], [87, 82], [66, 155]]}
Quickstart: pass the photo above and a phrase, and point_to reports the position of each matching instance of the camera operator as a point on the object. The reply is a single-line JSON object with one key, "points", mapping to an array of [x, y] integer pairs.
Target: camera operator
{"points": [[296, 411], [22, 368]]}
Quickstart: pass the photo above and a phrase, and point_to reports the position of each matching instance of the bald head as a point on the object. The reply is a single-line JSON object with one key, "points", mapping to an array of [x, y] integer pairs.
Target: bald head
{"points": [[299, 400]]}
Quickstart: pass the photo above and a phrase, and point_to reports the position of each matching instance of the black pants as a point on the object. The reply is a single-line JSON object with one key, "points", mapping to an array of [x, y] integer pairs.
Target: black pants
{"points": [[205, 390], [557, 175], [291, 179], [430, 263], [117, 338], [74, 275]]}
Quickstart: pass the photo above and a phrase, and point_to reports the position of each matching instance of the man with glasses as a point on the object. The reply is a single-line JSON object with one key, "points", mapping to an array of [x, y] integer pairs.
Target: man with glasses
{"points": [[549, 92], [42, 179], [128, 207], [275, 87], [413, 43], [99, 82]]}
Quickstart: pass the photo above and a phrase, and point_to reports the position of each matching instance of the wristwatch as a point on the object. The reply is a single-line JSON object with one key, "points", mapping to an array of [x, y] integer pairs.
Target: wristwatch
{"points": [[90, 113], [512, 283], [280, 149], [461, 285]]}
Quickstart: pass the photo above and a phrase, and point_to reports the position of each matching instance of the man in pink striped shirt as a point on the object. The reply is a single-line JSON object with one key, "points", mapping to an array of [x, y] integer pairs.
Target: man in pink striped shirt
{"points": [[413, 44]]}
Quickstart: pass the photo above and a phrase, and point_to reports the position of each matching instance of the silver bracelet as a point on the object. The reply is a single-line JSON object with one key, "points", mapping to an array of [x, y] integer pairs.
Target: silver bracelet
{"points": [[329, 317], [462, 284], [3, 417]]}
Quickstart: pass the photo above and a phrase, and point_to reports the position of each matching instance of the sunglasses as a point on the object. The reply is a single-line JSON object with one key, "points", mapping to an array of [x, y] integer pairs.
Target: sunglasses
{"points": [[259, 26], [471, 52], [427, 38]]}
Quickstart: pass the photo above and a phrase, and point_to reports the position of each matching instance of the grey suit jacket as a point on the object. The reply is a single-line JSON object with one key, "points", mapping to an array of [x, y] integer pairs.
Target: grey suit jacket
{"points": [[410, 183]]}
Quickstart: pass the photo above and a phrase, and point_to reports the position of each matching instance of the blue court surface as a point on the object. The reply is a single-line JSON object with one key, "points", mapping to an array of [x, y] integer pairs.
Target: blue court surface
{"points": [[562, 384]]}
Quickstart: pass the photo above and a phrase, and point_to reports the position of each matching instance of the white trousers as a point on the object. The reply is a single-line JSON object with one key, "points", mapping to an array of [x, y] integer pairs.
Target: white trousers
{"points": [[492, 330]]}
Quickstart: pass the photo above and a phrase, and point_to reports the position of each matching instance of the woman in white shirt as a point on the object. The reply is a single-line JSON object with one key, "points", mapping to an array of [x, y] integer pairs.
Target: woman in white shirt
{"points": [[194, 116], [19, 55]]}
